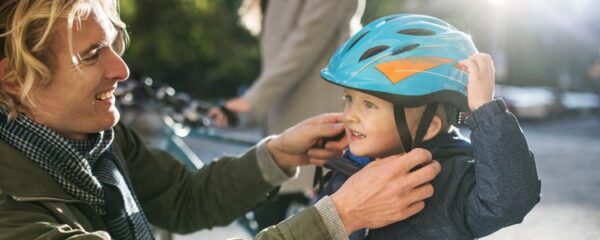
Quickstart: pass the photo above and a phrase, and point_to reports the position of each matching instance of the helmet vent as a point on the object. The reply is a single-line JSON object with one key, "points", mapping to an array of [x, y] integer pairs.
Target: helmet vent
{"points": [[358, 39], [372, 51], [417, 32], [392, 18], [405, 49]]}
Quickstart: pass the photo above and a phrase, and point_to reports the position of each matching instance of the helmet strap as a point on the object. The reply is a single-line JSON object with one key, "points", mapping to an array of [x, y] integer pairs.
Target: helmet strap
{"points": [[425, 122], [402, 126]]}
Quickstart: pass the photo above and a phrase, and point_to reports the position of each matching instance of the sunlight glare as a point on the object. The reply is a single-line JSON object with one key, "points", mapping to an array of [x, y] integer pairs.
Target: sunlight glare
{"points": [[497, 3]]}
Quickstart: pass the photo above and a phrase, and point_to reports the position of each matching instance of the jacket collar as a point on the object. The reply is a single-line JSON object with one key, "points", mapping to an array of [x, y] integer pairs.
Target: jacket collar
{"points": [[448, 144], [24, 180]]}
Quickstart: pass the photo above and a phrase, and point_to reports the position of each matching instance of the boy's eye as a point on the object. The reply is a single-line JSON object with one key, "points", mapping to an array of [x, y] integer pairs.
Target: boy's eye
{"points": [[370, 105], [347, 98]]}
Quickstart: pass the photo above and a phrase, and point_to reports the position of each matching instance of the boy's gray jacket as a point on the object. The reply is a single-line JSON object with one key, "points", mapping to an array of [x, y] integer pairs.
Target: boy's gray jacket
{"points": [[34, 206], [483, 186]]}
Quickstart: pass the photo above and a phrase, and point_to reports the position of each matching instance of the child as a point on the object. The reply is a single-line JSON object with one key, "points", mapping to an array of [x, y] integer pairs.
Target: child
{"points": [[405, 80]]}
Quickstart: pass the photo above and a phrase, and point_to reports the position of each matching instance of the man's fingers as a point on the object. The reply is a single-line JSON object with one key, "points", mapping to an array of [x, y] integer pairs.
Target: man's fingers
{"points": [[412, 209], [338, 145], [318, 162], [325, 129], [424, 174], [325, 118], [416, 157], [331, 118], [322, 153], [422, 192]]}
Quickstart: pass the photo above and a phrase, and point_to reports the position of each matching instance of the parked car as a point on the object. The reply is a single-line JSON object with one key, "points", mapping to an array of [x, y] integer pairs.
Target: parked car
{"points": [[534, 103]]}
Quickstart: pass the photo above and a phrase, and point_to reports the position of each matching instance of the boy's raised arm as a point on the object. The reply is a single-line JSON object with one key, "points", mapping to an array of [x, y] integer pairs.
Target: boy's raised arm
{"points": [[507, 184]]}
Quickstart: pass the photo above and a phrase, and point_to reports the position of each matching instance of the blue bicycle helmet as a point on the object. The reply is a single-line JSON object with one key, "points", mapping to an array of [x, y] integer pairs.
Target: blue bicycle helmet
{"points": [[409, 60]]}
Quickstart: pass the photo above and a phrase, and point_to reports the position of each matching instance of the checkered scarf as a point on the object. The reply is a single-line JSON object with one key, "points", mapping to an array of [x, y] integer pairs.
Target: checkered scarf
{"points": [[57, 156]]}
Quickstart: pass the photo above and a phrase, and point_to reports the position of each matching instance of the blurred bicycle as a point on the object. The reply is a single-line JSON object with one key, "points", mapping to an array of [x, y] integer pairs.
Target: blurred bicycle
{"points": [[179, 124]]}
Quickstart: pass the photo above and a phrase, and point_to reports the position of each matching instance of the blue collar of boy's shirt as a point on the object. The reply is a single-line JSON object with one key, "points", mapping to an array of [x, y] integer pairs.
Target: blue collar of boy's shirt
{"points": [[362, 161], [451, 139]]}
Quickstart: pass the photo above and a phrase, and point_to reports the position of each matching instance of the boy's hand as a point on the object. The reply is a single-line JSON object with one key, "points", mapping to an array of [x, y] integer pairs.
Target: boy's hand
{"points": [[480, 89]]}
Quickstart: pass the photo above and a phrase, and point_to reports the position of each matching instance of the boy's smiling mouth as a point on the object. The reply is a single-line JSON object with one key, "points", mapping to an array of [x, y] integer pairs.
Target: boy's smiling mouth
{"points": [[356, 134]]}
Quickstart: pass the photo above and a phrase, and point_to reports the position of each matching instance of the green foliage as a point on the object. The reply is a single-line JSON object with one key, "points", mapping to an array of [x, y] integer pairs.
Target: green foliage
{"points": [[193, 45]]}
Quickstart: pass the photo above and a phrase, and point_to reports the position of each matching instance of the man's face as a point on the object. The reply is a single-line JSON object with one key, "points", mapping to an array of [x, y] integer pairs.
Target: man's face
{"points": [[79, 98], [370, 125]]}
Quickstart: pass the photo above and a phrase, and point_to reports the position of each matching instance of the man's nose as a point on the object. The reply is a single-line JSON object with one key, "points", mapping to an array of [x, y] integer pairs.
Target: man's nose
{"points": [[117, 68]]}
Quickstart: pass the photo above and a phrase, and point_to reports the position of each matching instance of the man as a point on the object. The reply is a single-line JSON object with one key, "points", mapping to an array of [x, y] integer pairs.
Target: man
{"points": [[68, 169]]}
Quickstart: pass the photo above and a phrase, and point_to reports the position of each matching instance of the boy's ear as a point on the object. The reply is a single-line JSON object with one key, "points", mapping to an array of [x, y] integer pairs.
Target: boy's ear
{"points": [[10, 88], [434, 128]]}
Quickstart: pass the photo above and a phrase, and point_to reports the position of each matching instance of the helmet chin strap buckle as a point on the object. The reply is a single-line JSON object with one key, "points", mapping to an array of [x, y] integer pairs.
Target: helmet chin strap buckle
{"points": [[462, 117]]}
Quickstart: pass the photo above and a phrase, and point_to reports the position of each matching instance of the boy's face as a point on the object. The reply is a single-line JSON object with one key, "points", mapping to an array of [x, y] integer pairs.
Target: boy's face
{"points": [[370, 125]]}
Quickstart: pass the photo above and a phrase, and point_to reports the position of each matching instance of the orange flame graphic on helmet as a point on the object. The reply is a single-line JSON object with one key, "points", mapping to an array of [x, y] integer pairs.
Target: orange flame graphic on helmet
{"points": [[401, 69]]}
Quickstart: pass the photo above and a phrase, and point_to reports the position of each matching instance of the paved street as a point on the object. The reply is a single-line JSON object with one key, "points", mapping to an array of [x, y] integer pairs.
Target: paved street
{"points": [[567, 151]]}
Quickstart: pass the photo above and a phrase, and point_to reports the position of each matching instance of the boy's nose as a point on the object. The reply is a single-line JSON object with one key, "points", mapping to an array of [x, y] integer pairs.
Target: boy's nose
{"points": [[349, 116]]}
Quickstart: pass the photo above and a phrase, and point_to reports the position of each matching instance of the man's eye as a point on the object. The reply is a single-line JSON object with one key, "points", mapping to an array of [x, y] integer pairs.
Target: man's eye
{"points": [[93, 55], [89, 57]]}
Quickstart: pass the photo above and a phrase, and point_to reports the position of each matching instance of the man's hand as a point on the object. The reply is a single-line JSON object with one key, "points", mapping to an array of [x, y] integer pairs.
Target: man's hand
{"points": [[481, 70], [386, 190], [298, 145]]}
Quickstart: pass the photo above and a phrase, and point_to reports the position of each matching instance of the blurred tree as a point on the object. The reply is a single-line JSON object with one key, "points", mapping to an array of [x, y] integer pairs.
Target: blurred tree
{"points": [[196, 45]]}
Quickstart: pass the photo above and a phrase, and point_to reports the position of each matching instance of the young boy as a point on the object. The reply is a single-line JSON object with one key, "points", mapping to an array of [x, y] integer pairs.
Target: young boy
{"points": [[406, 78]]}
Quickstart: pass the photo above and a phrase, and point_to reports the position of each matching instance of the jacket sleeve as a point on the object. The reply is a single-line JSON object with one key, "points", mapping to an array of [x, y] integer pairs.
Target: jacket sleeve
{"points": [[305, 225], [181, 200], [32, 220], [319, 22], [506, 180]]}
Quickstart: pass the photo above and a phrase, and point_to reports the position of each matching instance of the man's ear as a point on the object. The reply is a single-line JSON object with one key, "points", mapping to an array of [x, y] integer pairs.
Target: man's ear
{"points": [[10, 88], [434, 128]]}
